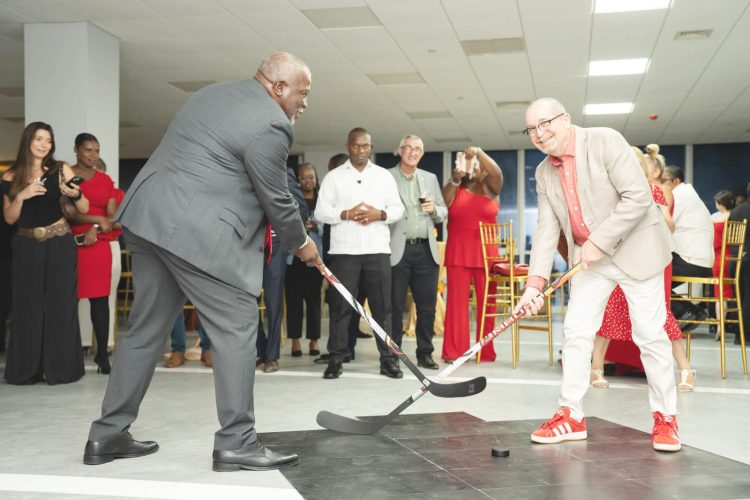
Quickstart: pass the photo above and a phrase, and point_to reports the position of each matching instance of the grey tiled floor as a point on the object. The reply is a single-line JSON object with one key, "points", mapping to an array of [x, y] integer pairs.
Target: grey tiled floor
{"points": [[43, 430]]}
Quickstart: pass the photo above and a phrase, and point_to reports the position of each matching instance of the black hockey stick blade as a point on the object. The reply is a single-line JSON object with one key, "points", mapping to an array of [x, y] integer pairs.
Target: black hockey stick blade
{"points": [[437, 388], [458, 389], [340, 423]]}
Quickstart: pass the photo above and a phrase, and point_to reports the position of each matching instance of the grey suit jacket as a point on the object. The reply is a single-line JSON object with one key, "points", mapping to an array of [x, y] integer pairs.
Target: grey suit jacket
{"points": [[215, 180], [428, 183], [616, 204]]}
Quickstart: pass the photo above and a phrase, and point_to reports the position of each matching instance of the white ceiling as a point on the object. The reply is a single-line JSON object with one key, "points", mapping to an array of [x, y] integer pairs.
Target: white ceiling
{"points": [[700, 89]]}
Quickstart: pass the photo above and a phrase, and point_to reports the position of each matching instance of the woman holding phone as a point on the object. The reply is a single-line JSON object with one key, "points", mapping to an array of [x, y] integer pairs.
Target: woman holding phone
{"points": [[93, 231], [44, 343]]}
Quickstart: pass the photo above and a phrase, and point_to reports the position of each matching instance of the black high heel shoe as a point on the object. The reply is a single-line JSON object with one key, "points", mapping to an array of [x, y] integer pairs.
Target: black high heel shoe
{"points": [[103, 367]]}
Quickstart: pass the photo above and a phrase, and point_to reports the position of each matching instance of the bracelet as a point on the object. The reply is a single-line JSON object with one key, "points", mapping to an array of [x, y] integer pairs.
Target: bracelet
{"points": [[307, 239], [76, 198], [453, 183]]}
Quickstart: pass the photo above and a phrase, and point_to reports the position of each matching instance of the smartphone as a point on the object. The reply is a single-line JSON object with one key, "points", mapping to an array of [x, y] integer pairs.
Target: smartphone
{"points": [[423, 198], [75, 180], [80, 239]]}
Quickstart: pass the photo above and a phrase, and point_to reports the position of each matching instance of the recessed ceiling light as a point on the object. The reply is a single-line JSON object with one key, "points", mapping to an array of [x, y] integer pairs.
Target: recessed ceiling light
{"points": [[512, 105], [611, 108], [693, 35], [493, 46], [609, 6], [342, 17], [618, 67], [396, 78]]}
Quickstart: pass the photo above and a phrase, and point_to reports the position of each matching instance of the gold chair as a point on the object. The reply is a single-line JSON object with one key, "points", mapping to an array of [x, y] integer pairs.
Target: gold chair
{"points": [[498, 251], [732, 243]]}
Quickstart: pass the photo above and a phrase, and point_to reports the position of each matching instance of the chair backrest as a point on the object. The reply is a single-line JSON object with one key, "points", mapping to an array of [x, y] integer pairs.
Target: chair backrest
{"points": [[732, 246], [498, 245]]}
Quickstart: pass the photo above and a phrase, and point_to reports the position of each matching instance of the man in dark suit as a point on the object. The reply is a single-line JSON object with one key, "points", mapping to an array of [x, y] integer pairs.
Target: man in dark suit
{"points": [[742, 212], [195, 221]]}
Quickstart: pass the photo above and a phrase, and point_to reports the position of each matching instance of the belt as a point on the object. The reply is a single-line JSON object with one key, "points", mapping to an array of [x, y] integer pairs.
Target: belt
{"points": [[59, 228], [416, 241]]}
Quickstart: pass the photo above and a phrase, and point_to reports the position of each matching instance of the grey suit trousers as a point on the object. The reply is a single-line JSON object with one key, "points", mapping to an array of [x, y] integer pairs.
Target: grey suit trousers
{"points": [[161, 282]]}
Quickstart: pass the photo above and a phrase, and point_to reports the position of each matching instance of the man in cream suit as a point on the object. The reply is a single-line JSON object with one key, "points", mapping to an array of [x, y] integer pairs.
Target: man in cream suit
{"points": [[414, 254], [592, 188], [196, 218]]}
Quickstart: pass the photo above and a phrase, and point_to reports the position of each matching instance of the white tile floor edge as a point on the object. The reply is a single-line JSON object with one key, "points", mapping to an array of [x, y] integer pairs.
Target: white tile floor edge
{"points": [[137, 488], [432, 375]]}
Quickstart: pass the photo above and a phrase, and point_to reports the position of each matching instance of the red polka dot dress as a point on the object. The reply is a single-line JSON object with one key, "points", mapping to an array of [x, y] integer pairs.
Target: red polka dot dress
{"points": [[616, 323]]}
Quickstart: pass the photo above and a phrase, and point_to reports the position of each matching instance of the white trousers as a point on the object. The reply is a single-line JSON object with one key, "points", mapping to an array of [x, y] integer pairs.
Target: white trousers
{"points": [[589, 293], [84, 307]]}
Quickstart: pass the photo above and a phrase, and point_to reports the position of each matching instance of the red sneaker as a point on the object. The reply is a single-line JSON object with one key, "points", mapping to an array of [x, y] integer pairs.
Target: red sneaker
{"points": [[561, 427], [664, 436]]}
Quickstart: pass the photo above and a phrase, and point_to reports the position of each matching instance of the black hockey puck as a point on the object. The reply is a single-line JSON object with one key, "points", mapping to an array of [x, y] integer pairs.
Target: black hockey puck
{"points": [[500, 452]]}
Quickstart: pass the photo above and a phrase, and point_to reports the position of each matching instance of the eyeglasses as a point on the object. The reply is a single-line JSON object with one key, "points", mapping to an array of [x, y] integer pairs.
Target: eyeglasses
{"points": [[540, 126], [307, 177], [361, 147], [410, 149]]}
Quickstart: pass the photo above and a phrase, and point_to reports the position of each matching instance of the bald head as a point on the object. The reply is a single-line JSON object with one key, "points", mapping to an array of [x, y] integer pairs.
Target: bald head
{"points": [[282, 66], [548, 104], [287, 80], [548, 126]]}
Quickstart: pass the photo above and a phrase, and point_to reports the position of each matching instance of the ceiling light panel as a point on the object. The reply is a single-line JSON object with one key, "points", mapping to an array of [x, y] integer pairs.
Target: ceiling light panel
{"points": [[342, 18], [619, 67], [493, 46], [612, 108], [612, 6]]}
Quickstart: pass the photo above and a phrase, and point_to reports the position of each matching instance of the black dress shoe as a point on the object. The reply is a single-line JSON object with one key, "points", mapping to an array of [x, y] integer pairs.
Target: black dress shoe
{"points": [[123, 446], [389, 368], [690, 316], [252, 457], [363, 335], [426, 361], [334, 370], [296, 354], [314, 352]]}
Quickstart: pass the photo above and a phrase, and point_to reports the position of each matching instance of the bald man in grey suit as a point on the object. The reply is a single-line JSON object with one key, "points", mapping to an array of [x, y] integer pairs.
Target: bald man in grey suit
{"points": [[195, 221]]}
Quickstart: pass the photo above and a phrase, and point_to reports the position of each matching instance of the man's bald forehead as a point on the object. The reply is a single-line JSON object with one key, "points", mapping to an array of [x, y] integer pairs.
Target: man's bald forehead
{"points": [[546, 104]]}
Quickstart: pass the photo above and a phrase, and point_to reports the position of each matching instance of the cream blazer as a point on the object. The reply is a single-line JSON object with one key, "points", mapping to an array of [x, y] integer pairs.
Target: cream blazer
{"points": [[616, 204]]}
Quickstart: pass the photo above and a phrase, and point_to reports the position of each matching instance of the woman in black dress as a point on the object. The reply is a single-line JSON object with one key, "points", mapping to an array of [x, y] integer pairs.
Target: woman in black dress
{"points": [[302, 283], [44, 343]]}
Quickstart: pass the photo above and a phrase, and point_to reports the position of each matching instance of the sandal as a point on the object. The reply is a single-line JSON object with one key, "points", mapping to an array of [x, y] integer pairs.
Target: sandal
{"points": [[687, 381], [598, 380]]}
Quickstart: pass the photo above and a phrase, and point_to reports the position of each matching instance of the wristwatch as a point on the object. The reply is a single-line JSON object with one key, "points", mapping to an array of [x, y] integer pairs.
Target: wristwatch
{"points": [[383, 215]]}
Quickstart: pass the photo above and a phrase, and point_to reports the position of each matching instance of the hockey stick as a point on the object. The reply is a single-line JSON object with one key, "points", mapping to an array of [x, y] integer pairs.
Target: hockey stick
{"points": [[454, 390], [348, 425]]}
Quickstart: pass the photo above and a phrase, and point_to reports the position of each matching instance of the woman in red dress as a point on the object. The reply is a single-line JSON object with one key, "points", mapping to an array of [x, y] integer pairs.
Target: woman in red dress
{"points": [[472, 196], [93, 235], [724, 201], [614, 338]]}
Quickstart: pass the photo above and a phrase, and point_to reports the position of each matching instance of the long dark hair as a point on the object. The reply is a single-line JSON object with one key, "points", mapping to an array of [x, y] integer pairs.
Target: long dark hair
{"points": [[23, 163]]}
